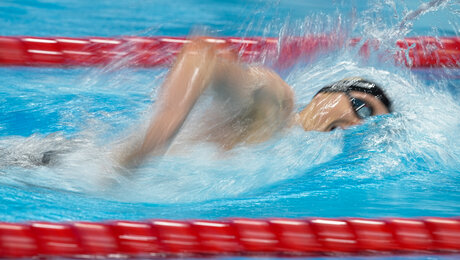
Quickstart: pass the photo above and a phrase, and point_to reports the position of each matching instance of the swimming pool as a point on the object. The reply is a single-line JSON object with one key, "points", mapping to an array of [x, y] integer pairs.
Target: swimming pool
{"points": [[405, 164]]}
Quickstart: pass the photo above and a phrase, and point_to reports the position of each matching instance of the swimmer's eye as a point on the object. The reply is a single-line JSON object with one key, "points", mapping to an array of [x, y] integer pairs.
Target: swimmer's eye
{"points": [[362, 108], [332, 128]]}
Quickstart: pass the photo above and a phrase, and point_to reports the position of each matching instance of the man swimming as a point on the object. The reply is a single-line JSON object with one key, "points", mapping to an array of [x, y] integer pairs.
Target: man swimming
{"points": [[255, 102]]}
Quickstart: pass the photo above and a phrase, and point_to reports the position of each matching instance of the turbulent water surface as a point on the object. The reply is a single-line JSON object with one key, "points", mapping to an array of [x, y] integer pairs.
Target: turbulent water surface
{"points": [[59, 127]]}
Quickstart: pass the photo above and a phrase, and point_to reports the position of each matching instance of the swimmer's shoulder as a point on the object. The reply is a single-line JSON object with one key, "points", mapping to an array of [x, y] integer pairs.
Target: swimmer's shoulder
{"points": [[273, 86], [271, 109]]}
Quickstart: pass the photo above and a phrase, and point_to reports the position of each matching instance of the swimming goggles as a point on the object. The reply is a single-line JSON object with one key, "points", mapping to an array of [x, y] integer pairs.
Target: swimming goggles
{"points": [[362, 109]]}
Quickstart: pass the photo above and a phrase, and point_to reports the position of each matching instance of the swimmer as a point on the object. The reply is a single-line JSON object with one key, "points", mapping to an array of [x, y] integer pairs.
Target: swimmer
{"points": [[254, 101]]}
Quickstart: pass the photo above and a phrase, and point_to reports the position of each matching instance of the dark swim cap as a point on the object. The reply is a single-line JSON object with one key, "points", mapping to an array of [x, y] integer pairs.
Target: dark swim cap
{"points": [[361, 85]]}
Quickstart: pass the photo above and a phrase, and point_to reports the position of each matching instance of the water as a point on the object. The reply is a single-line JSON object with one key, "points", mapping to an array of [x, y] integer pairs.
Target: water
{"points": [[404, 164]]}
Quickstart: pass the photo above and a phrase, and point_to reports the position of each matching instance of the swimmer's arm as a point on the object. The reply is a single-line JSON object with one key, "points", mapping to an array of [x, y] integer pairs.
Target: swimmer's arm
{"points": [[197, 67], [190, 75]]}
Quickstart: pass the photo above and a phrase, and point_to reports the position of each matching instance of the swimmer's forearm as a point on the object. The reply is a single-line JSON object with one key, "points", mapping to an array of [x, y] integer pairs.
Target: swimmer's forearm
{"points": [[188, 78]]}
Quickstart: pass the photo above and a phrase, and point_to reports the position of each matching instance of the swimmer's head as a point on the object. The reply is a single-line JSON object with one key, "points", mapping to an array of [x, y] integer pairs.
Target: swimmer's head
{"points": [[343, 104]]}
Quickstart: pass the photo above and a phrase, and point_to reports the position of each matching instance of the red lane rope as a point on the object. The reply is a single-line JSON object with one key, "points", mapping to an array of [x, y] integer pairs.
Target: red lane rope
{"points": [[416, 52], [237, 236]]}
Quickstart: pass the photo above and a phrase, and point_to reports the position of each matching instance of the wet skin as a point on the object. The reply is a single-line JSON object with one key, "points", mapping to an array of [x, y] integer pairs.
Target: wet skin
{"points": [[328, 111], [265, 103]]}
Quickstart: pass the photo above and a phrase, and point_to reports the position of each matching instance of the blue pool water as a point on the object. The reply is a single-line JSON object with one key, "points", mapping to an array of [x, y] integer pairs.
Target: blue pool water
{"points": [[405, 164]]}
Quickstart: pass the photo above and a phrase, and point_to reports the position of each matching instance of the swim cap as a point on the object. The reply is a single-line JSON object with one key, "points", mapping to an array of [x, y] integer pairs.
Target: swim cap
{"points": [[361, 85]]}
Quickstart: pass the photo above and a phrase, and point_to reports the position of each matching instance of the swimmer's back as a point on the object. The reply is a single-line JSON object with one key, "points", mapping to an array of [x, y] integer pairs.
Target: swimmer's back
{"points": [[259, 106]]}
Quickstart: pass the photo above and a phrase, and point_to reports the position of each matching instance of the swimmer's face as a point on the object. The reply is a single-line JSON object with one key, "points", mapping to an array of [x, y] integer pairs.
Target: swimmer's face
{"points": [[329, 111]]}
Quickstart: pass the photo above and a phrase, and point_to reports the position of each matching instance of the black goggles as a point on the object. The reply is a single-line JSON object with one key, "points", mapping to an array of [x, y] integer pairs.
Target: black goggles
{"points": [[361, 108]]}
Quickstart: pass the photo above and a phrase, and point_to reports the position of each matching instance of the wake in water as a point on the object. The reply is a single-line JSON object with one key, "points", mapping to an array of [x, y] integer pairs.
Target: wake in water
{"points": [[419, 137], [36, 151]]}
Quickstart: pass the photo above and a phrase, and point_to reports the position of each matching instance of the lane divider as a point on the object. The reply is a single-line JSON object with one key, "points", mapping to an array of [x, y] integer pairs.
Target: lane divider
{"points": [[415, 52], [235, 236]]}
